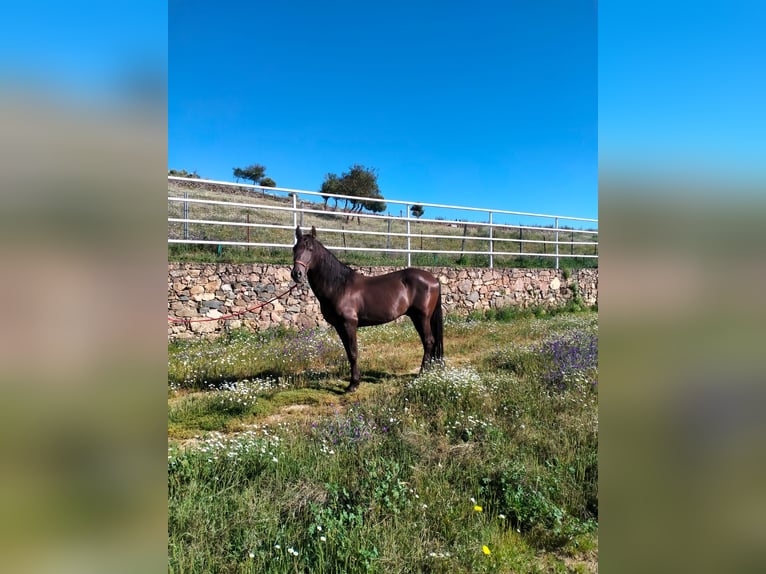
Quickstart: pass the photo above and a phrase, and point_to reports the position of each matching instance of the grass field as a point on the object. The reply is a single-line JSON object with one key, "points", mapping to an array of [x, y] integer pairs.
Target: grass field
{"points": [[488, 464], [462, 238]]}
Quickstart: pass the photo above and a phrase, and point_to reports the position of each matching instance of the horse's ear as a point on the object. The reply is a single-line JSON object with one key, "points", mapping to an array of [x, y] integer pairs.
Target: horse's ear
{"points": [[313, 231], [298, 233]]}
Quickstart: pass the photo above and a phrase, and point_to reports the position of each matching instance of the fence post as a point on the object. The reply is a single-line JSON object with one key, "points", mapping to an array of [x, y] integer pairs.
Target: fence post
{"points": [[491, 243], [557, 242], [388, 238], [186, 216], [295, 211], [409, 246]]}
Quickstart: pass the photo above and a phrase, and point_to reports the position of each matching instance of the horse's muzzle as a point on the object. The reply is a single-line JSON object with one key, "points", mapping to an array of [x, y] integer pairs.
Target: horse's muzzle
{"points": [[299, 271]]}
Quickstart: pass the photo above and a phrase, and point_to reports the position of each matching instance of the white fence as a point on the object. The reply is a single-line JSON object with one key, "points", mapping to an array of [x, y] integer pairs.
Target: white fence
{"points": [[493, 232]]}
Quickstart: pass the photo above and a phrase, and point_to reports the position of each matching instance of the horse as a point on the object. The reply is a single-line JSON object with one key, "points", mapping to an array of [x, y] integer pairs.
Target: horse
{"points": [[349, 300]]}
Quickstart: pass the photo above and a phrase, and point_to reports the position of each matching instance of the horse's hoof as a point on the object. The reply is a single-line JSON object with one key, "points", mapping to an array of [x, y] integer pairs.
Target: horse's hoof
{"points": [[352, 387]]}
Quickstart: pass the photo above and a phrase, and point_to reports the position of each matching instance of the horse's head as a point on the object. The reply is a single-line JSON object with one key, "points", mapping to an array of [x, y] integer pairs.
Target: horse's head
{"points": [[303, 253]]}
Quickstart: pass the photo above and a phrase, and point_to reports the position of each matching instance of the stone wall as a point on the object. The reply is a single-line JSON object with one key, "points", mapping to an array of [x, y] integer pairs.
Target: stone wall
{"points": [[212, 291]]}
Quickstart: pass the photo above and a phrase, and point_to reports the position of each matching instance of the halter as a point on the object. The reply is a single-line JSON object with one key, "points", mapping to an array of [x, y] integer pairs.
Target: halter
{"points": [[305, 265]]}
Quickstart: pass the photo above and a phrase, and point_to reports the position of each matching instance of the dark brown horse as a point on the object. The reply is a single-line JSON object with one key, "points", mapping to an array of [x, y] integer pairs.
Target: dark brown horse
{"points": [[349, 300]]}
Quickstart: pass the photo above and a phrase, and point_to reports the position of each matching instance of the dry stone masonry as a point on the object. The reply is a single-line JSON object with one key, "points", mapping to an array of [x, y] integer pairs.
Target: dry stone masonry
{"points": [[203, 290]]}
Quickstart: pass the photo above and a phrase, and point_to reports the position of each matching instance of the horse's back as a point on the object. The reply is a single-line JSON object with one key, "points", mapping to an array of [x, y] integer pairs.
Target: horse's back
{"points": [[411, 278], [420, 275], [383, 298]]}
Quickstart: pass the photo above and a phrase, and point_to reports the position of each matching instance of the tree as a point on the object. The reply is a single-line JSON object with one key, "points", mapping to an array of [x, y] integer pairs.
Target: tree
{"points": [[417, 211], [183, 173], [374, 206], [361, 182], [330, 186], [254, 173], [268, 182]]}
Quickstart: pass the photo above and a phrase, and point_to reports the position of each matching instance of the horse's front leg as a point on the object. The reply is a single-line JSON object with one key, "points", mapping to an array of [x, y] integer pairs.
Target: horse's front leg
{"points": [[347, 332]]}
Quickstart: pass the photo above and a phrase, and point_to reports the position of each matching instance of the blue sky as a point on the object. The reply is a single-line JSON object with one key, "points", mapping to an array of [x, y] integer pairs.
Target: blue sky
{"points": [[482, 103], [82, 51], [682, 87], [487, 104]]}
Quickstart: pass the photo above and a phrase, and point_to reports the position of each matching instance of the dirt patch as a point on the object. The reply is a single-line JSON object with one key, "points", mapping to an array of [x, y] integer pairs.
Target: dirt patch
{"points": [[292, 412], [585, 562], [588, 564]]}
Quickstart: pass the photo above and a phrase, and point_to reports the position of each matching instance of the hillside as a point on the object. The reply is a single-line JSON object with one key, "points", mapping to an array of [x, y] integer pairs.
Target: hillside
{"points": [[336, 227]]}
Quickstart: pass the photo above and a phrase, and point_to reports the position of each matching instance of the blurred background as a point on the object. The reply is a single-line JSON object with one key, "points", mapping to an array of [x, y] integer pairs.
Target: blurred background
{"points": [[82, 394], [83, 160], [682, 182]]}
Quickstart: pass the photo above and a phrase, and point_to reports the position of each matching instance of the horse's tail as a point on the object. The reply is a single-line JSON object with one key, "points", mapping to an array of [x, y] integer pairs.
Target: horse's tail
{"points": [[437, 329]]}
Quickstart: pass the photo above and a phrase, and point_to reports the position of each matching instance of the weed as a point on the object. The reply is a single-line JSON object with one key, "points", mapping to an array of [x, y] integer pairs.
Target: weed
{"points": [[291, 356], [411, 474]]}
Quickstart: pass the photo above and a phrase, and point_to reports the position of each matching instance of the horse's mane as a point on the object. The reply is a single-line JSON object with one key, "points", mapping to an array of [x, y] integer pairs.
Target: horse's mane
{"points": [[331, 272]]}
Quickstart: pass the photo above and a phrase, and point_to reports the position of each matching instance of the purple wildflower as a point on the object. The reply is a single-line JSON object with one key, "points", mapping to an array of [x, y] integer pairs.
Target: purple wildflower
{"points": [[567, 354]]}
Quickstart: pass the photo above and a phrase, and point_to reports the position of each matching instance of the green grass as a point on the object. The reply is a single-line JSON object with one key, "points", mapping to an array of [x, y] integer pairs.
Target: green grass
{"points": [[469, 239], [284, 473]]}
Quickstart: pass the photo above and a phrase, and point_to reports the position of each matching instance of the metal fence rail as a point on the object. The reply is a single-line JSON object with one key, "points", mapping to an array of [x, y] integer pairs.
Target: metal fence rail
{"points": [[277, 217]]}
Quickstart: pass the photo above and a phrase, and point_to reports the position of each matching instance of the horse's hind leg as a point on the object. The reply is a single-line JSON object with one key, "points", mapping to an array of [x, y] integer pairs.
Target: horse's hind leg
{"points": [[423, 327]]}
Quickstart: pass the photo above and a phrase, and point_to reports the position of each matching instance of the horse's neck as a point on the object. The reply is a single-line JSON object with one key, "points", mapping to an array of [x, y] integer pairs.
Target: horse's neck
{"points": [[330, 277]]}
